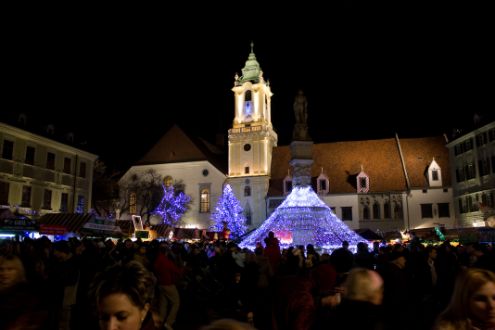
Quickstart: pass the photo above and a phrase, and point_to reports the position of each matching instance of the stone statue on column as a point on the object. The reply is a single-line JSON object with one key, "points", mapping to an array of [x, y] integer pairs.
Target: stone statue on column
{"points": [[300, 132]]}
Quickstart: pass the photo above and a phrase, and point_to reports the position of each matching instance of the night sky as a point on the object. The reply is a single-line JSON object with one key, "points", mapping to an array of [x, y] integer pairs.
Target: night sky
{"points": [[122, 82]]}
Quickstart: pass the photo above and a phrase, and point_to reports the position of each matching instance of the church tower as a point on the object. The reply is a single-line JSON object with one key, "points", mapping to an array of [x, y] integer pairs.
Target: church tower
{"points": [[251, 140]]}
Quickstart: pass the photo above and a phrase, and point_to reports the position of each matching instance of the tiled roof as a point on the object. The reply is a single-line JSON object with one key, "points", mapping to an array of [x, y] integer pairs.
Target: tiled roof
{"points": [[418, 154], [341, 162], [176, 146]]}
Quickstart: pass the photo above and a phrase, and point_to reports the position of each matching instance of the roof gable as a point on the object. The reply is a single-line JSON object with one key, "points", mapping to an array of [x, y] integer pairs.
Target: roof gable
{"points": [[177, 147], [418, 154]]}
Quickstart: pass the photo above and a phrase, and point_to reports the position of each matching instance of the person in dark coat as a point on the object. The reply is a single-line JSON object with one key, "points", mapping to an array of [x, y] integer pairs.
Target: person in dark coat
{"points": [[361, 305]]}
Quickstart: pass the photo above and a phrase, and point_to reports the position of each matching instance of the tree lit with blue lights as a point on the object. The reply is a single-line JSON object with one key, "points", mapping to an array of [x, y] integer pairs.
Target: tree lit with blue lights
{"points": [[302, 219], [172, 206], [228, 212]]}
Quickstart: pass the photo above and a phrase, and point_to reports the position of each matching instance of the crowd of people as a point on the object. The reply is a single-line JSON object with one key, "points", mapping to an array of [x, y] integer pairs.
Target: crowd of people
{"points": [[99, 284]]}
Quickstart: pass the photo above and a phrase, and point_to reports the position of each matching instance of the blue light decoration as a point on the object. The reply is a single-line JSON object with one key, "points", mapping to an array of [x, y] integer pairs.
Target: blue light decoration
{"points": [[172, 206], [302, 219], [228, 212]]}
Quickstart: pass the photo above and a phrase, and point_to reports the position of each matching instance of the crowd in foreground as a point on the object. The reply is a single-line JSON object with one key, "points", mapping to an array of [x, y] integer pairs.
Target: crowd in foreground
{"points": [[99, 284]]}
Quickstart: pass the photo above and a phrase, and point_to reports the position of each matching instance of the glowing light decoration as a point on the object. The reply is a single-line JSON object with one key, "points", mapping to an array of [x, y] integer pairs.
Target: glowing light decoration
{"points": [[439, 233], [228, 212], [172, 206], [302, 219]]}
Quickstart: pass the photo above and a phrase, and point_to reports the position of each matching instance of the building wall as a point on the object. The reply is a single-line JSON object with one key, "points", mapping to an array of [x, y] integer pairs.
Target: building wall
{"points": [[18, 174], [192, 176], [473, 175], [338, 201], [433, 196]]}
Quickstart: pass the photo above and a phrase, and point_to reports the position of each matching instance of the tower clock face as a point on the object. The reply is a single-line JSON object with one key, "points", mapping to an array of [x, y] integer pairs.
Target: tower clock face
{"points": [[247, 147]]}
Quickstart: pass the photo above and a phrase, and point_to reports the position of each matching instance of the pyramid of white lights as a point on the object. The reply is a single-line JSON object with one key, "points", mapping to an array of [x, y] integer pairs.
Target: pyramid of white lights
{"points": [[302, 219]]}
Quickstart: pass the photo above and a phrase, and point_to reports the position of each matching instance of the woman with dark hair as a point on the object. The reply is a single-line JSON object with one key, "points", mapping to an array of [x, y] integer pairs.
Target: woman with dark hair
{"points": [[472, 306], [20, 305], [123, 295]]}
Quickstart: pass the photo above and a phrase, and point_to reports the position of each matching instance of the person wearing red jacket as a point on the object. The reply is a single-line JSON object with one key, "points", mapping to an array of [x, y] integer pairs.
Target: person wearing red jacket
{"points": [[168, 273]]}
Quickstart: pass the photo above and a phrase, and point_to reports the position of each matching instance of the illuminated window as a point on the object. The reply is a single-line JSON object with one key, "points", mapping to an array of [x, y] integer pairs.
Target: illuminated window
{"points": [[204, 206], [132, 203], [248, 105], [167, 181]]}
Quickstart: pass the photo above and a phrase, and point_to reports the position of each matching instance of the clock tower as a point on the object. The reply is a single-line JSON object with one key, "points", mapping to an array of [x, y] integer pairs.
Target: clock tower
{"points": [[251, 140]]}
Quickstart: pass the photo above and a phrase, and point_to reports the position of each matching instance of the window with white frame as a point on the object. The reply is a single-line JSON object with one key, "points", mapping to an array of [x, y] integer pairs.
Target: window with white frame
{"points": [[204, 206], [322, 184]]}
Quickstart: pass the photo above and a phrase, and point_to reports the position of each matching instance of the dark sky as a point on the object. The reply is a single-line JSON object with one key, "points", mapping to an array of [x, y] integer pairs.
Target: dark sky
{"points": [[122, 82]]}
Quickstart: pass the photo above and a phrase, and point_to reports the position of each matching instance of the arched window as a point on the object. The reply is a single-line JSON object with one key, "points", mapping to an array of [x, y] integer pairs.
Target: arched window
{"points": [[247, 191], [132, 203], [247, 214], [397, 211], [247, 95], [376, 210], [204, 206], [386, 210], [248, 104], [366, 212]]}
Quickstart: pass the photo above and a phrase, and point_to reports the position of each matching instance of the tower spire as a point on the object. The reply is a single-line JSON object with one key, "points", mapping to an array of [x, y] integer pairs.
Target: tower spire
{"points": [[252, 70]]}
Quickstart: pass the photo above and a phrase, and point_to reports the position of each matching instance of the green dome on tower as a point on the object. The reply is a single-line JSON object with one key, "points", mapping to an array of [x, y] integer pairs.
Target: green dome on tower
{"points": [[252, 70]]}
